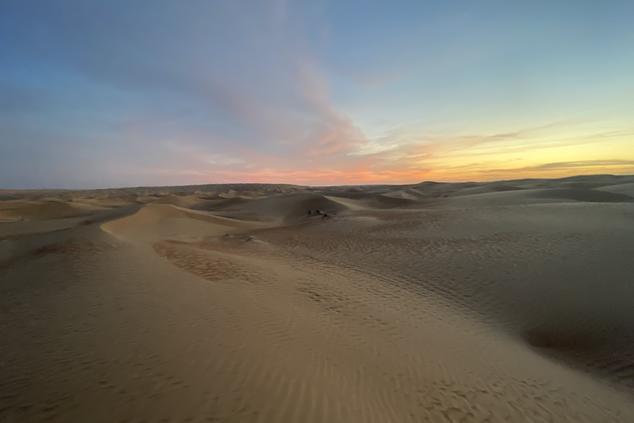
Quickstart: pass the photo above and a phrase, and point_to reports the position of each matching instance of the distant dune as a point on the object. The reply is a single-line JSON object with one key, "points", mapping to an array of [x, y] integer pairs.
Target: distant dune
{"points": [[507, 301]]}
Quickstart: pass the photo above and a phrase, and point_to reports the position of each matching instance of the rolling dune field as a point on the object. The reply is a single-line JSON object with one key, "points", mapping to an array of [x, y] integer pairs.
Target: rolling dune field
{"points": [[506, 301]]}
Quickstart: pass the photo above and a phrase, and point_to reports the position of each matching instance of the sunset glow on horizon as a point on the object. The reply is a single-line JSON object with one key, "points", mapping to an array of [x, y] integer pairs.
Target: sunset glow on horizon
{"points": [[118, 93]]}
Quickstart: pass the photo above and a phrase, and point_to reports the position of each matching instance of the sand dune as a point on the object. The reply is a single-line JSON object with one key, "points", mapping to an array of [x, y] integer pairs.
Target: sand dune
{"points": [[18, 210], [626, 189], [282, 208], [161, 221], [473, 302]]}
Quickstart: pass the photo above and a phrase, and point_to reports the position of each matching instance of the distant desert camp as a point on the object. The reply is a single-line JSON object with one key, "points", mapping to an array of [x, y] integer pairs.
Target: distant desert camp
{"points": [[475, 302]]}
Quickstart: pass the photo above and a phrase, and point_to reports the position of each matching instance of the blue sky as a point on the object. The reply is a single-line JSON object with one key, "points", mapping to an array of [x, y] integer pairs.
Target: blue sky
{"points": [[116, 93]]}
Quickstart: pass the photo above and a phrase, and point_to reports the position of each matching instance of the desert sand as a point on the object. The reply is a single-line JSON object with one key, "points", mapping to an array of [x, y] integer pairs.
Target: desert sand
{"points": [[506, 301]]}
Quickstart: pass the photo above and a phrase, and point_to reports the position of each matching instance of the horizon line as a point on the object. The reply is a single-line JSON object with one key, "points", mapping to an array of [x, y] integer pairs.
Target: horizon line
{"points": [[595, 175]]}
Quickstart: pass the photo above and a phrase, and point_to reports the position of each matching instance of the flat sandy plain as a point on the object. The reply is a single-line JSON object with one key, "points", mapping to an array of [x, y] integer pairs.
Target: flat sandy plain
{"points": [[476, 302]]}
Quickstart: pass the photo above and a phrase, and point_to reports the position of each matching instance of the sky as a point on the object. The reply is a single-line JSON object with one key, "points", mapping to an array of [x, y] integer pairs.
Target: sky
{"points": [[126, 93]]}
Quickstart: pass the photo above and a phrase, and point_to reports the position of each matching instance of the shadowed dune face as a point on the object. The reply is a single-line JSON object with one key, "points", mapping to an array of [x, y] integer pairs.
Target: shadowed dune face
{"points": [[18, 210], [283, 208], [572, 340], [625, 188], [585, 195], [474, 302]]}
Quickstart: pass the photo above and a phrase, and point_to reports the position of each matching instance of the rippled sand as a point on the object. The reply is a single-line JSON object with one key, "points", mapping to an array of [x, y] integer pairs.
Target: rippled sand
{"points": [[500, 302]]}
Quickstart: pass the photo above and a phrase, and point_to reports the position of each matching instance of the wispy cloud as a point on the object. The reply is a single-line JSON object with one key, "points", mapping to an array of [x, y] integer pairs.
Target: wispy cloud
{"points": [[614, 164], [603, 164]]}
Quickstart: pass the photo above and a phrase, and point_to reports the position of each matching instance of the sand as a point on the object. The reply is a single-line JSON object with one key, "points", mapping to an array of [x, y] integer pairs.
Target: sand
{"points": [[509, 301]]}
